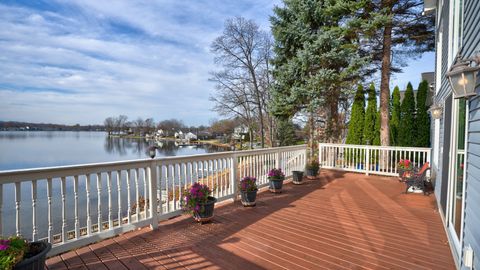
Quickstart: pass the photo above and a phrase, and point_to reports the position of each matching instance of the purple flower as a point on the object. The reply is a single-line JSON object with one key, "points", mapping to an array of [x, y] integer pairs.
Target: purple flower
{"points": [[4, 247]]}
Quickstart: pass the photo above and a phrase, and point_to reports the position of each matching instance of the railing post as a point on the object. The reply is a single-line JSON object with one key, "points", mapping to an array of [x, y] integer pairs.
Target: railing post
{"points": [[319, 154], [152, 178], [233, 176], [367, 161], [278, 161]]}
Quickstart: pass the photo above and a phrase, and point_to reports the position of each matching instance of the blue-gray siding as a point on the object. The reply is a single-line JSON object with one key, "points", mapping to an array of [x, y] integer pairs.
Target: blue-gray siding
{"points": [[471, 41]]}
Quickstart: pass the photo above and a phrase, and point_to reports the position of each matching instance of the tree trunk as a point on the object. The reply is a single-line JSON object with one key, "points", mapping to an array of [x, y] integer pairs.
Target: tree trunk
{"points": [[311, 123], [385, 77]]}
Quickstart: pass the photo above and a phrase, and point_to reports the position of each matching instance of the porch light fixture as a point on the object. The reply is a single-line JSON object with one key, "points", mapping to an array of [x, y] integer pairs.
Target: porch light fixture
{"points": [[152, 151], [436, 111], [463, 76]]}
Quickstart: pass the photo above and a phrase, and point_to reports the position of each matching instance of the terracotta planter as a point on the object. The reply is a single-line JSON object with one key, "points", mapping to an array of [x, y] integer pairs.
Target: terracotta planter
{"points": [[36, 262], [248, 198], [297, 177], [207, 214], [275, 185]]}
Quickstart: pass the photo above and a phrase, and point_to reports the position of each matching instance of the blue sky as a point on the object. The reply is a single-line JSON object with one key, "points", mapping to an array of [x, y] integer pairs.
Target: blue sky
{"points": [[80, 61]]}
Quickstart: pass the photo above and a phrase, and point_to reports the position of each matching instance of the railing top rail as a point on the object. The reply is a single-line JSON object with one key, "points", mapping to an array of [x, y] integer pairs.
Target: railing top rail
{"points": [[10, 176], [376, 146]]}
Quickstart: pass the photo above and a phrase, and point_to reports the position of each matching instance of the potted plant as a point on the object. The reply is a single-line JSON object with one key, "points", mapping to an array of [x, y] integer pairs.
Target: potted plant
{"points": [[198, 201], [248, 191], [18, 254], [297, 177], [276, 177], [312, 169], [404, 165]]}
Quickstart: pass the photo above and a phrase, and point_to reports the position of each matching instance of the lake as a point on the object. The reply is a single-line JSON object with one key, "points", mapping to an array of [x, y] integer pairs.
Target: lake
{"points": [[34, 149]]}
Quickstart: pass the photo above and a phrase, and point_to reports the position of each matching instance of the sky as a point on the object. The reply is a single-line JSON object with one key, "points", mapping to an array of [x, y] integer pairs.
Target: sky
{"points": [[80, 61]]}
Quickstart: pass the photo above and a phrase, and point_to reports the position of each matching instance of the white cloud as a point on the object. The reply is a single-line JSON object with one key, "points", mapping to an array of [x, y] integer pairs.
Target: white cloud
{"points": [[86, 59]]}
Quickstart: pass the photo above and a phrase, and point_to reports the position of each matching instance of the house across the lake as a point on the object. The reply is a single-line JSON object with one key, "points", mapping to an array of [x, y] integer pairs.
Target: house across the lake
{"points": [[456, 140]]}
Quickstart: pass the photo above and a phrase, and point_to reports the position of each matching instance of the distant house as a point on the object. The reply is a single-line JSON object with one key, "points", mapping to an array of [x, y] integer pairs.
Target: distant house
{"points": [[204, 135], [190, 136], [179, 135], [159, 133], [239, 131], [456, 136], [430, 78]]}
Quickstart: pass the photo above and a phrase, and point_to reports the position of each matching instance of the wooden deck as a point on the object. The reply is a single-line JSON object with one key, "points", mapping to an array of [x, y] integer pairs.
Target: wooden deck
{"points": [[339, 221]]}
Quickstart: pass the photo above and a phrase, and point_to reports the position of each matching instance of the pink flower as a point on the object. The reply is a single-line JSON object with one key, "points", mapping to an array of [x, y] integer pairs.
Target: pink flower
{"points": [[4, 247]]}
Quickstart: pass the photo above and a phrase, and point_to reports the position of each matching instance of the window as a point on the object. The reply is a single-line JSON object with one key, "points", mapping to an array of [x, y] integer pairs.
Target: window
{"points": [[455, 29]]}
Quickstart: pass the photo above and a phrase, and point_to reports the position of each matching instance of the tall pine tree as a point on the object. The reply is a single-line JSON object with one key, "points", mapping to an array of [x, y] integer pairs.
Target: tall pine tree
{"points": [[407, 119], [370, 116], [397, 30], [355, 126], [395, 118], [422, 120]]}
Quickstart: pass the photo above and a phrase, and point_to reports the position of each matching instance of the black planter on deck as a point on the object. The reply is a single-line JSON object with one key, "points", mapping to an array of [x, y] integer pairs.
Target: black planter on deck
{"points": [[275, 185], [207, 214], [312, 174], [297, 177], [248, 198], [36, 262]]}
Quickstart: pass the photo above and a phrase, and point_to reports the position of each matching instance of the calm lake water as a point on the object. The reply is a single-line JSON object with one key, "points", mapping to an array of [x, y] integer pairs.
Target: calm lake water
{"points": [[33, 149], [22, 150]]}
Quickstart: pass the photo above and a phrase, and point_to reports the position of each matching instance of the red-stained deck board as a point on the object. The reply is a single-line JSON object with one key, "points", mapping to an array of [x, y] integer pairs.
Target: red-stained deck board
{"points": [[338, 221]]}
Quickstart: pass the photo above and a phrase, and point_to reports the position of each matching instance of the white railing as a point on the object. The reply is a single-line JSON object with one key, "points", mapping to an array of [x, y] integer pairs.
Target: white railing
{"points": [[368, 159], [71, 206]]}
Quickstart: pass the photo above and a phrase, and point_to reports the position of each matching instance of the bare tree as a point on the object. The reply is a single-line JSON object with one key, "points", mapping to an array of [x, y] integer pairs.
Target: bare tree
{"points": [[109, 124], [243, 51]]}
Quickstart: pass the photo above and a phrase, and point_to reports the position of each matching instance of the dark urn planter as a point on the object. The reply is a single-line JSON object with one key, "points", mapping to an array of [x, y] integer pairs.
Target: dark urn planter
{"points": [[248, 198], [275, 185], [400, 173], [312, 173], [207, 214], [297, 177], [35, 257]]}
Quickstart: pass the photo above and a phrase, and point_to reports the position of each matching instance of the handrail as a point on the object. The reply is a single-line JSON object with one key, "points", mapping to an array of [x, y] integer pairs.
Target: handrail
{"points": [[75, 205], [370, 159]]}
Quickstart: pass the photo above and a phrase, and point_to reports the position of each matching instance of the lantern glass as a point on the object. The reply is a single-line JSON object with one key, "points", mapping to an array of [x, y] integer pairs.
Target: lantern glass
{"points": [[463, 80], [436, 111], [152, 151]]}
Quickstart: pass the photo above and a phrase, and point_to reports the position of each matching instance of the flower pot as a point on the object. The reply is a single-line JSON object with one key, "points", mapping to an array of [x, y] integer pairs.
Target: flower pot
{"points": [[360, 166], [297, 177], [275, 185], [312, 173], [37, 261], [207, 213], [248, 198]]}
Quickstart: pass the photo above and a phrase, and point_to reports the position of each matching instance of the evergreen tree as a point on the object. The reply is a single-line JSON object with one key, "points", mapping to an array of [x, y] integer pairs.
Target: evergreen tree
{"points": [[316, 59], [422, 120], [376, 140], [396, 30], [370, 116], [407, 119], [286, 132], [395, 118], [355, 126]]}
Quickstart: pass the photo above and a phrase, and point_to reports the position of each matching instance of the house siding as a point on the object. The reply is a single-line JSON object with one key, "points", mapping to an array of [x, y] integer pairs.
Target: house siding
{"points": [[470, 45], [471, 232]]}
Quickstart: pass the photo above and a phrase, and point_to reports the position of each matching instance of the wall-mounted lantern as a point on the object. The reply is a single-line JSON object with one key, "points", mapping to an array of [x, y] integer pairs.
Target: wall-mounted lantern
{"points": [[463, 76], [152, 151], [436, 111]]}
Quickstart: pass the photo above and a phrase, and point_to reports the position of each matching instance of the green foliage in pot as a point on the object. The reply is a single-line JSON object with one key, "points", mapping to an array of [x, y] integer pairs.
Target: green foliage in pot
{"points": [[12, 250]]}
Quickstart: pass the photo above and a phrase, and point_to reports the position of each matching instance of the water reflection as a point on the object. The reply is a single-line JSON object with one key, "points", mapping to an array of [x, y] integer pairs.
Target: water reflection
{"points": [[34, 149], [126, 146]]}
